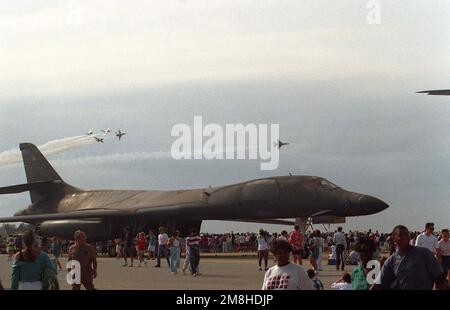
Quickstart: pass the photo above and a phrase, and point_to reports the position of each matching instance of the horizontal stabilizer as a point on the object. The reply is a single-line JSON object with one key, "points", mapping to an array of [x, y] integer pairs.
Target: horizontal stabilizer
{"points": [[14, 189], [437, 92], [83, 214]]}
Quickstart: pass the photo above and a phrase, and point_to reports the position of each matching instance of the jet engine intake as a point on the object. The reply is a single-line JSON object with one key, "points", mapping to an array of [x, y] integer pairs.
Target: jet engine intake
{"points": [[65, 229], [328, 219]]}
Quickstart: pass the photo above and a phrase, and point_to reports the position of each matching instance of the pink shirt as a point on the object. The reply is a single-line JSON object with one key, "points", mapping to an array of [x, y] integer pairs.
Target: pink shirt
{"points": [[444, 247]]}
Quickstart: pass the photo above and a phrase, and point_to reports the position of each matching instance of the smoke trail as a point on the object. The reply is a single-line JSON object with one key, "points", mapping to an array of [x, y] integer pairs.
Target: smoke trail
{"points": [[116, 158], [133, 157], [14, 156]]}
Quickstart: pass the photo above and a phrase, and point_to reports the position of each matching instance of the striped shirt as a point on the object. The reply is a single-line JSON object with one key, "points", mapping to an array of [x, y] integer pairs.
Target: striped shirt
{"points": [[193, 241]]}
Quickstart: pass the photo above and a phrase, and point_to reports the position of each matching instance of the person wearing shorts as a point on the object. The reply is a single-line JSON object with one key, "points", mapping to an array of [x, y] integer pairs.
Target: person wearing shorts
{"points": [[296, 241]]}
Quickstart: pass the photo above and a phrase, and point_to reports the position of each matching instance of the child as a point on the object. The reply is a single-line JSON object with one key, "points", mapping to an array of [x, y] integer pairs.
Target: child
{"points": [[344, 284]]}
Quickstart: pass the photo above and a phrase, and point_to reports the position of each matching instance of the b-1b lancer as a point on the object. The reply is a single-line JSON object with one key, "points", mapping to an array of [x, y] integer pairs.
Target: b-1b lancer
{"points": [[58, 209]]}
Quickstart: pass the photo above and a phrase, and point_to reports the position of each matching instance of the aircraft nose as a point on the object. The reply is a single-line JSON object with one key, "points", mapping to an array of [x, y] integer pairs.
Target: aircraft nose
{"points": [[370, 205]]}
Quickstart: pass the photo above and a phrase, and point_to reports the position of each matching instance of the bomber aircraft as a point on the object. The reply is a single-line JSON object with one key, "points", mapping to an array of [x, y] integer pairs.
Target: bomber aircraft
{"points": [[58, 209]]}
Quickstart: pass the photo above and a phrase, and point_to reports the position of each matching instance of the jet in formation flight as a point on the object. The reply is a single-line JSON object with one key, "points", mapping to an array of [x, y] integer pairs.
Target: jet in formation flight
{"points": [[279, 144], [119, 134], [100, 140], [106, 131], [58, 209], [89, 133]]}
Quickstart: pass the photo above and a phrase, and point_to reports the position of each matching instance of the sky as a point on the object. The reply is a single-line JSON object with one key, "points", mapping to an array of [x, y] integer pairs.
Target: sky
{"points": [[341, 89]]}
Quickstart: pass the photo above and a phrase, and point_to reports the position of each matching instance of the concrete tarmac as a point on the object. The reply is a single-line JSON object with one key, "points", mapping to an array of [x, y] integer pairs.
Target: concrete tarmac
{"points": [[222, 272]]}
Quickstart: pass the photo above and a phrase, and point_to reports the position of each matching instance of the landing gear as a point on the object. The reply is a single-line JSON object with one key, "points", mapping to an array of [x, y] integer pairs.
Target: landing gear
{"points": [[304, 223]]}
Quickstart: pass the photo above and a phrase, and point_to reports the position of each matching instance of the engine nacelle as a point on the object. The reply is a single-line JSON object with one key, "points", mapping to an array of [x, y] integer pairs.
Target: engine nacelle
{"points": [[328, 219], [65, 229]]}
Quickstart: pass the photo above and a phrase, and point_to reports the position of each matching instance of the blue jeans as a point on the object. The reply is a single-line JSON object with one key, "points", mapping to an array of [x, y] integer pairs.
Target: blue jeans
{"points": [[162, 251], [174, 258], [194, 255]]}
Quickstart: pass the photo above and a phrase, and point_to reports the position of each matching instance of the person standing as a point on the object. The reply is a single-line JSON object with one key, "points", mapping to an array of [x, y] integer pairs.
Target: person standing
{"points": [[316, 250], [427, 239], [296, 241], [193, 241], [233, 241], [10, 247], [30, 265], [283, 236], [320, 245], [263, 248], [410, 267], [119, 250], [224, 243], [187, 258], [163, 239], [56, 251], [175, 251], [341, 245], [364, 249], [128, 249], [285, 275], [151, 239], [141, 244], [86, 255], [443, 252]]}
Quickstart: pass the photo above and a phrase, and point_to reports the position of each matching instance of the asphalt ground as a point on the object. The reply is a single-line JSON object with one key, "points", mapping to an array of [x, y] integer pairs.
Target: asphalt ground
{"points": [[235, 271]]}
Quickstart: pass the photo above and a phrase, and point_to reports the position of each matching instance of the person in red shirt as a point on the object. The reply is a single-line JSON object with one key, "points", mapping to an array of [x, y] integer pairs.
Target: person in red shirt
{"points": [[296, 241], [141, 244]]}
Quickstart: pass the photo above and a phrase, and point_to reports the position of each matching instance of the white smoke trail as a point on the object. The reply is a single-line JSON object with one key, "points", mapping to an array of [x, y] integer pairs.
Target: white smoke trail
{"points": [[116, 158], [132, 157], [14, 156]]}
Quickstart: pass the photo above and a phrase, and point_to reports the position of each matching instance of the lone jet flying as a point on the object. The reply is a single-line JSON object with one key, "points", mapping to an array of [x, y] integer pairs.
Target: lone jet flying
{"points": [[280, 144], [105, 131], [58, 209], [89, 132], [119, 134], [99, 139], [438, 92]]}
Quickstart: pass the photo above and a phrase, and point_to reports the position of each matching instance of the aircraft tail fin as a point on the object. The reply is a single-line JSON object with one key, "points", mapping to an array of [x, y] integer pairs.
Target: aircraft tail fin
{"points": [[37, 168]]}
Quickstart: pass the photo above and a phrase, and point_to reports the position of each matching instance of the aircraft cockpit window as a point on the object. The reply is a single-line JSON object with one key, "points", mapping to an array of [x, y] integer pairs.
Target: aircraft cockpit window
{"points": [[324, 184]]}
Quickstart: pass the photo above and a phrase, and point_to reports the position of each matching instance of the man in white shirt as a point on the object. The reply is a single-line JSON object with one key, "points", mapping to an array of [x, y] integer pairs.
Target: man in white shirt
{"points": [[427, 239], [285, 275], [341, 245], [163, 250]]}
